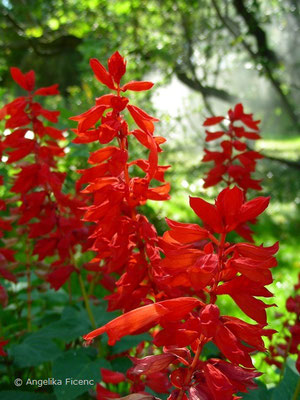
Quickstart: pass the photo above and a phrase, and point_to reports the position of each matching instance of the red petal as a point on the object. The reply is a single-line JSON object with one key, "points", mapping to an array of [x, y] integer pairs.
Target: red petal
{"points": [[213, 121], [142, 119], [47, 91], [109, 376], [101, 73], [213, 135], [229, 203], [26, 81], [89, 118], [102, 154], [186, 233], [207, 213], [253, 208], [59, 276], [137, 86], [116, 66]]}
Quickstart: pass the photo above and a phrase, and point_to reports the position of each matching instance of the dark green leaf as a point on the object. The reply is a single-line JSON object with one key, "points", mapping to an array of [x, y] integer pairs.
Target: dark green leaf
{"points": [[76, 364], [34, 350]]}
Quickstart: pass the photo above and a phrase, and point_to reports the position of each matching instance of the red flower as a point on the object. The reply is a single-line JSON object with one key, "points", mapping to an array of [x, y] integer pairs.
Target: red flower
{"points": [[230, 210], [143, 318]]}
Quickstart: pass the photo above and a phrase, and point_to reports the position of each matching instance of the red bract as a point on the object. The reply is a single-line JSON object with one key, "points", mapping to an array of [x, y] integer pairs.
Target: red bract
{"points": [[123, 239], [235, 163]]}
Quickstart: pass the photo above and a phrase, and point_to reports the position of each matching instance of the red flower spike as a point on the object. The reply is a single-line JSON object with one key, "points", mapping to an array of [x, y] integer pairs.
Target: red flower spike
{"points": [[235, 163], [56, 229]]}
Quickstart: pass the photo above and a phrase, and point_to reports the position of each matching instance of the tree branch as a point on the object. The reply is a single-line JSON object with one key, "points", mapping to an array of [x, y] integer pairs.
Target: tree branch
{"points": [[262, 56], [207, 91]]}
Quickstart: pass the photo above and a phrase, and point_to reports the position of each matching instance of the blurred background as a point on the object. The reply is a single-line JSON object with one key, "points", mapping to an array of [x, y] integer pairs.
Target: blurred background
{"points": [[204, 56]]}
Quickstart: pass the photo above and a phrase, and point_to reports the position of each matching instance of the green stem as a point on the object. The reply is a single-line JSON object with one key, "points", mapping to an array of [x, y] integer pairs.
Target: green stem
{"points": [[86, 301], [92, 284]]}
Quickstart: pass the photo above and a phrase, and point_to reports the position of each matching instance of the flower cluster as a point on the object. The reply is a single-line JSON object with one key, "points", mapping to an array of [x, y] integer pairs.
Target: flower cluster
{"points": [[198, 263], [48, 216], [175, 297], [236, 162], [290, 342], [123, 239]]}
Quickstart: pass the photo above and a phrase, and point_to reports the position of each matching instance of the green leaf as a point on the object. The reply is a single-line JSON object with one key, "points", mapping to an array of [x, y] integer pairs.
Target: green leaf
{"points": [[128, 342], [72, 325], [34, 350], [210, 350], [121, 364], [102, 316], [286, 388], [76, 364]]}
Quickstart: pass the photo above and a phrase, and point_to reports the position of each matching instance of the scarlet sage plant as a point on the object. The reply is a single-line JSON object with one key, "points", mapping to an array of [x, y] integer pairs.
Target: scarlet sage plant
{"points": [[123, 238], [198, 267], [48, 218]]}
